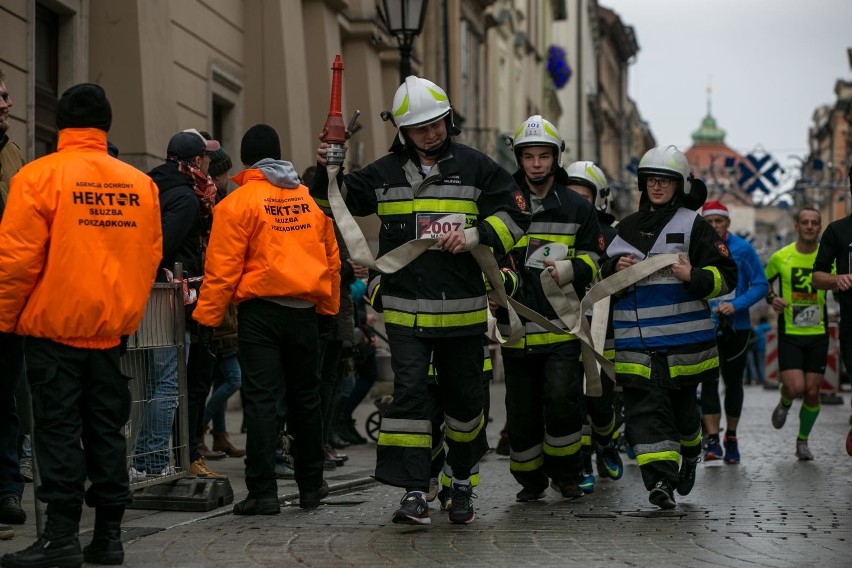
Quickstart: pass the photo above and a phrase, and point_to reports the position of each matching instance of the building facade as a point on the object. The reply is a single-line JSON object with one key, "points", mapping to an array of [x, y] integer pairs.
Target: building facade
{"points": [[223, 65], [825, 174]]}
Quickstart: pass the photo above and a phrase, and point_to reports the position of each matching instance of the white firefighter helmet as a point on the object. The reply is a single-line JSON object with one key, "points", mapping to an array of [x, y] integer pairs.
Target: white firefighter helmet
{"points": [[587, 174], [665, 161], [538, 131], [419, 101]]}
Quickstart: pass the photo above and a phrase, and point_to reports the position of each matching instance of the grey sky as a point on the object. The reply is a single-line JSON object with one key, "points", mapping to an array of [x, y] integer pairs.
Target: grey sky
{"points": [[770, 64]]}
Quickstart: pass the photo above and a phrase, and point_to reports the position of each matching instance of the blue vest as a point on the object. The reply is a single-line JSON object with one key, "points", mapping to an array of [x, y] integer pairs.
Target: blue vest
{"points": [[658, 313]]}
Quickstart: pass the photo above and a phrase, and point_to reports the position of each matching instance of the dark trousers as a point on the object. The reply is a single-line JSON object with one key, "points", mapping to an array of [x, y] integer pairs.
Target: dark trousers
{"points": [[662, 425], [544, 403], [11, 369], [439, 454], [199, 381], [458, 362], [78, 395], [279, 346], [733, 357], [329, 388]]}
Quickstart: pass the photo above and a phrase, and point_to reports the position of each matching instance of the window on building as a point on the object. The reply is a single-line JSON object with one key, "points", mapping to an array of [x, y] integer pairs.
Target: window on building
{"points": [[219, 114], [46, 79], [226, 119], [560, 10]]}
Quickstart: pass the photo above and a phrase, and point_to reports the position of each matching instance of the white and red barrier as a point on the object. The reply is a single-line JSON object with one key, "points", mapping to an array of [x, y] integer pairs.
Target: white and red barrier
{"points": [[772, 374]]}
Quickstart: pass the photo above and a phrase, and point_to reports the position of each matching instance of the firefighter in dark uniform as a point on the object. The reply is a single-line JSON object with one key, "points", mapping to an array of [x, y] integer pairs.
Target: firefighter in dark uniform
{"points": [[544, 392], [665, 344], [587, 179], [429, 187], [599, 421]]}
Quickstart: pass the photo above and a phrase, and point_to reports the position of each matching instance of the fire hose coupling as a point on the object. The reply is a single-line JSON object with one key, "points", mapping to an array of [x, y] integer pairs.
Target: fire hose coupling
{"points": [[335, 154]]}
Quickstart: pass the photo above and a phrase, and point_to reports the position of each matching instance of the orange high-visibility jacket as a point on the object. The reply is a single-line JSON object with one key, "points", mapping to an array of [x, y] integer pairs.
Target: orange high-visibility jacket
{"points": [[268, 241], [80, 243]]}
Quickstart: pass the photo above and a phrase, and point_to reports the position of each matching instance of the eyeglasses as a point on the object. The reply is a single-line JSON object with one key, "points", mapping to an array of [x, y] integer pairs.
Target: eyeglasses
{"points": [[664, 183]]}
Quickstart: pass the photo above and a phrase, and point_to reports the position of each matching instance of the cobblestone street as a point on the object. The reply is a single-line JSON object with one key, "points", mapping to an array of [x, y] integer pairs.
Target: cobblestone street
{"points": [[769, 511]]}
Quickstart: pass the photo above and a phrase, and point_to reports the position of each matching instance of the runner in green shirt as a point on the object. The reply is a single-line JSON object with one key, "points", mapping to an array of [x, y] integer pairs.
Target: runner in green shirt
{"points": [[802, 327]]}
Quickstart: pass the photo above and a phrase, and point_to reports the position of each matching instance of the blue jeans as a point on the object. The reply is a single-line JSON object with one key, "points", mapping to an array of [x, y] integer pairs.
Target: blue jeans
{"points": [[11, 370], [228, 380], [161, 391]]}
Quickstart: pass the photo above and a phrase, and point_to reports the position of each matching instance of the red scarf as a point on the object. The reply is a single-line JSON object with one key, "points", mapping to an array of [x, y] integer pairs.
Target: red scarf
{"points": [[203, 186]]}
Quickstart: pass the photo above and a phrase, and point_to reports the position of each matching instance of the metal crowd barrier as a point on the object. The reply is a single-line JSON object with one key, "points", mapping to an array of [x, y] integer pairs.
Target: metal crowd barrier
{"points": [[161, 335]]}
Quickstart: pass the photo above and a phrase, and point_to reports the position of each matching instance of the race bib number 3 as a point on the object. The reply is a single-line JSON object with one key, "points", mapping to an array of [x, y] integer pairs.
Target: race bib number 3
{"points": [[539, 250], [436, 225]]}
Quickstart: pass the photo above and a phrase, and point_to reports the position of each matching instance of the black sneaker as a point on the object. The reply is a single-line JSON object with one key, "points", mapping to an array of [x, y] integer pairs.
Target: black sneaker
{"points": [[413, 510], [662, 495], [686, 475], [11, 511], [461, 511], [526, 495]]}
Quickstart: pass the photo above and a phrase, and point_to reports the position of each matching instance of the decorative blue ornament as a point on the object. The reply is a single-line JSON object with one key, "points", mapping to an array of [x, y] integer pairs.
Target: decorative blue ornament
{"points": [[557, 66]]}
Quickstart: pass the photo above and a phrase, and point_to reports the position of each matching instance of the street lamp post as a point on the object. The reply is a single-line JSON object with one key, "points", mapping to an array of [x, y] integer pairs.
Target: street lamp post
{"points": [[404, 19]]}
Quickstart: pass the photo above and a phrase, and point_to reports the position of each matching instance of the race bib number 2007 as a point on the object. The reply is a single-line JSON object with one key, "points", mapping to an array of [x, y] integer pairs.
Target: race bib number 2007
{"points": [[436, 225]]}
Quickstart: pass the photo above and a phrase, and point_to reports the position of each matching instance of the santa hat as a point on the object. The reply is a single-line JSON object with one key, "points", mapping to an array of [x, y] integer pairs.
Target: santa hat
{"points": [[715, 208]]}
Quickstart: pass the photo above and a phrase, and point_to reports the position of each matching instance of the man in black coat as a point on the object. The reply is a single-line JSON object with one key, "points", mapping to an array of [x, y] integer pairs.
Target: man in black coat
{"points": [[187, 197]]}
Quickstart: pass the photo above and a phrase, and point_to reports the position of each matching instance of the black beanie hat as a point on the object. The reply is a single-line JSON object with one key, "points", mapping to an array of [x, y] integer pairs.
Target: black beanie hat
{"points": [[220, 162], [84, 106], [259, 142]]}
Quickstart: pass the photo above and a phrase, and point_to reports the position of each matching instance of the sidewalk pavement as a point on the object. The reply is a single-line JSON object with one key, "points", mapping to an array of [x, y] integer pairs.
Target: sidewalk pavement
{"points": [[140, 522], [771, 510]]}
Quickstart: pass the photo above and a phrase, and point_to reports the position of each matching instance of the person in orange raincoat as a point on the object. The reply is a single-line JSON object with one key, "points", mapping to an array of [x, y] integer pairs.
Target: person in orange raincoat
{"points": [[272, 251], [80, 243]]}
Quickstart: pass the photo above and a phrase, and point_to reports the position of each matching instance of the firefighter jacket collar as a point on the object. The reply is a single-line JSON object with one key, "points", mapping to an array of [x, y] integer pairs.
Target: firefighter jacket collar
{"points": [[277, 172]]}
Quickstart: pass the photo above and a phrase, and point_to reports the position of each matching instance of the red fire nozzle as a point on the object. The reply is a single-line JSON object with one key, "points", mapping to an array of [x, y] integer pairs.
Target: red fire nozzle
{"points": [[334, 131]]}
